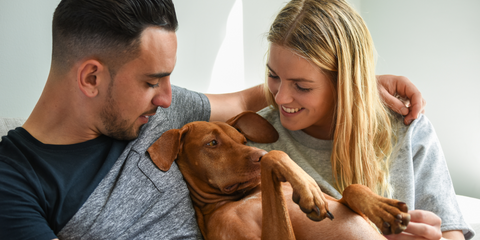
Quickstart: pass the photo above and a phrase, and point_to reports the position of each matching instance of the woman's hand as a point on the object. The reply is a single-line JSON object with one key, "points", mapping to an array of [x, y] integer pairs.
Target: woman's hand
{"points": [[401, 96], [424, 225]]}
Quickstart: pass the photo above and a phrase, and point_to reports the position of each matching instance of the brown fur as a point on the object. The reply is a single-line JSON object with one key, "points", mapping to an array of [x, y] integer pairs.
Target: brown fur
{"points": [[224, 176]]}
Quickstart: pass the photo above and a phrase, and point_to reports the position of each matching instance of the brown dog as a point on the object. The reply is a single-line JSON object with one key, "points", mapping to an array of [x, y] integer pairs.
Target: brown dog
{"points": [[224, 175]]}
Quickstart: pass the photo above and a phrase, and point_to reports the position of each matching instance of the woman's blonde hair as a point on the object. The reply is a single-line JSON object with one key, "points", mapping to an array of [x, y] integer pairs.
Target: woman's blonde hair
{"points": [[330, 34]]}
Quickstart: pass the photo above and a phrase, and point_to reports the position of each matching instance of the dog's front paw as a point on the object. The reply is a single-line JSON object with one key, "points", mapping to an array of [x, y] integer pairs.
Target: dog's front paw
{"points": [[389, 215], [311, 200], [306, 192]]}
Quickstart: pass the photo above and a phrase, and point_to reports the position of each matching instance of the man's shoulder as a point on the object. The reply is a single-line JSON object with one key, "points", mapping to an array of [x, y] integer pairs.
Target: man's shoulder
{"points": [[180, 92], [185, 103], [187, 106], [13, 148]]}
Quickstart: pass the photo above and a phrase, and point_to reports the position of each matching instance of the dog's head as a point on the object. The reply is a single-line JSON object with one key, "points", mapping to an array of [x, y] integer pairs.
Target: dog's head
{"points": [[213, 155]]}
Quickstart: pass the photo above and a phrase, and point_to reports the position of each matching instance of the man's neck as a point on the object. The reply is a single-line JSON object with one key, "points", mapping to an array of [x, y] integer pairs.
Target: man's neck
{"points": [[58, 118], [56, 133]]}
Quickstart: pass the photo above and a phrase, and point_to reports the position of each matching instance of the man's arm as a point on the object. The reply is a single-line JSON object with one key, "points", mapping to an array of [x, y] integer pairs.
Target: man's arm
{"points": [[21, 217], [225, 106], [401, 96]]}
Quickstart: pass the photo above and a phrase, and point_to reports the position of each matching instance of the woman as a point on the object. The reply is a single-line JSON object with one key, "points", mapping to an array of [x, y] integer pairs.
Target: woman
{"points": [[332, 122]]}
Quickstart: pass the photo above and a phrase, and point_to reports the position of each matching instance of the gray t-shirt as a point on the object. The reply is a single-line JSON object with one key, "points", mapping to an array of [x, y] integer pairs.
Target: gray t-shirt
{"points": [[136, 200], [418, 173]]}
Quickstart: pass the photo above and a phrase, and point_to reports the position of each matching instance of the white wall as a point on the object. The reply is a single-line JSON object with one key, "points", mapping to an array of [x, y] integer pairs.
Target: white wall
{"points": [[25, 53], [433, 42], [202, 31], [436, 43]]}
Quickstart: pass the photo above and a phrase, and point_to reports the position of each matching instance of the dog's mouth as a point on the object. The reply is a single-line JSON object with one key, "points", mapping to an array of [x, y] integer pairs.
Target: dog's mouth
{"points": [[253, 182]]}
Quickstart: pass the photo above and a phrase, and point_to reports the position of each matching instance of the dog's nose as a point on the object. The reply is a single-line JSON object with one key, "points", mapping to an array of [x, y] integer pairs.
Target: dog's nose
{"points": [[257, 155]]}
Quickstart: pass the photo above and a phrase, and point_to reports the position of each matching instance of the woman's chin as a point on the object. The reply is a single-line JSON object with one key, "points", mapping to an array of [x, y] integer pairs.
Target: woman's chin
{"points": [[290, 126]]}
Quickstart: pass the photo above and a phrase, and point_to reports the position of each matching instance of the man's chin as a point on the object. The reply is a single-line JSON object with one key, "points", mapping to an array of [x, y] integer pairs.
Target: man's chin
{"points": [[130, 138], [124, 135]]}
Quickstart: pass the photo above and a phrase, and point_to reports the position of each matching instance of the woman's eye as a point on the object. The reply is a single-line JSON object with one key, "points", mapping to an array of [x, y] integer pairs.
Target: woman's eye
{"points": [[270, 75], [212, 143], [301, 88]]}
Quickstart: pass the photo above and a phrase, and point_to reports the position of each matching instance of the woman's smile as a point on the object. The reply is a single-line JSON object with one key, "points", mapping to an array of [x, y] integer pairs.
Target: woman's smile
{"points": [[291, 110]]}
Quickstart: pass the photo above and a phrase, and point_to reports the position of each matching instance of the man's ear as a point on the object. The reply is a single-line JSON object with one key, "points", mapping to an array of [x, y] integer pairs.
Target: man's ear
{"points": [[89, 76]]}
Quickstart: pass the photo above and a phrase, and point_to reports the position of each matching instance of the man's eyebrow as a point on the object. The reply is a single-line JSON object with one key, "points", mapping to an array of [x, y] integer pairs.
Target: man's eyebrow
{"points": [[159, 75]]}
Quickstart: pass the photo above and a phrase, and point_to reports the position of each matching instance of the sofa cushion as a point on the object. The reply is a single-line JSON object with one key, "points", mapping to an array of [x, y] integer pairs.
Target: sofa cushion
{"points": [[471, 212], [7, 124]]}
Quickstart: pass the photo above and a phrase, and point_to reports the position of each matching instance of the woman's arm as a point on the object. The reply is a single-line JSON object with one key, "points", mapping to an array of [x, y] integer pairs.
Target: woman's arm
{"points": [[420, 177]]}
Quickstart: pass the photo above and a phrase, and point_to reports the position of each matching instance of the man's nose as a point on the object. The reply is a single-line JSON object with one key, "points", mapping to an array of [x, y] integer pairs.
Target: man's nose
{"points": [[163, 97]]}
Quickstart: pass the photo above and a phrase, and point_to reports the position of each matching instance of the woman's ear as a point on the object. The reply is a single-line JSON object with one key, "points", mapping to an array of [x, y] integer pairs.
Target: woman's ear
{"points": [[89, 76]]}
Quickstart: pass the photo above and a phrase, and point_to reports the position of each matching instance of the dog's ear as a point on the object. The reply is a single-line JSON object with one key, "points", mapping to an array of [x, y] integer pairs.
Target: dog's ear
{"points": [[254, 127], [165, 150]]}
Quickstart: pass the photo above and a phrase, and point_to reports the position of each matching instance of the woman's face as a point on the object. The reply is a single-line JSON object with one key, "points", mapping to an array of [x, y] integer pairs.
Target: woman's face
{"points": [[305, 96]]}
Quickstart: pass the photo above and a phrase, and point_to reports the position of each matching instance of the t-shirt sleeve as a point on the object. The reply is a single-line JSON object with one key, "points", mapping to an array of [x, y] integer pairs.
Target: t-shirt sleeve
{"points": [[433, 186], [191, 106], [21, 214]]}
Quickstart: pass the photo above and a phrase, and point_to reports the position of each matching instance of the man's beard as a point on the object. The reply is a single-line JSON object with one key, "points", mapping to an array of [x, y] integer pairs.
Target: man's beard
{"points": [[115, 126]]}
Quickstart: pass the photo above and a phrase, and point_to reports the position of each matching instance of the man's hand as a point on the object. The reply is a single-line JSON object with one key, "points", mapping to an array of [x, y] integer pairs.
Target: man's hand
{"points": [[401, 96]]}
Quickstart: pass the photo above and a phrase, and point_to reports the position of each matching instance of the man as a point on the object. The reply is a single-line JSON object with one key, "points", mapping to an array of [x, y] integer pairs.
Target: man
{"points": [[78, 167]]}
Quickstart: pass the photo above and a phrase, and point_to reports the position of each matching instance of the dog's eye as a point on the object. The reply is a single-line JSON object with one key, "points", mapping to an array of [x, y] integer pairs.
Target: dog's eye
{"points": [[212, 143]]}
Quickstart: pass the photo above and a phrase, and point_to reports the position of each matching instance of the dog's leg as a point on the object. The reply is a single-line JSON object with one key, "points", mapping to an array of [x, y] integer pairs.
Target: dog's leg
{"points": [[275, 219], [389, 215], [277, 167]]}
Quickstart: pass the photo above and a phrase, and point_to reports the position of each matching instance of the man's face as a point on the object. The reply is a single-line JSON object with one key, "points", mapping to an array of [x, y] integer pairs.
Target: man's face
{"points": [[140, 86]]}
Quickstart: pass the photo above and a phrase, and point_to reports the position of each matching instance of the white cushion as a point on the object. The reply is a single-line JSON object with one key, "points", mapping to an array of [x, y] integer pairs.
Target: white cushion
{"points": [[470, 208], [7, 124]]}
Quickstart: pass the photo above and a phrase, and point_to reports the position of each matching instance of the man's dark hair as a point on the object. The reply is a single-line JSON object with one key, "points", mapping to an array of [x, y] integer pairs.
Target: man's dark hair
{"points": [[108, 30]]}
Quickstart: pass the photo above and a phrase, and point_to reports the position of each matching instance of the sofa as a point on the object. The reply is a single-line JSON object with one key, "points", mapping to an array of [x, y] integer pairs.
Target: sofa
{"points": [[469, 206]]}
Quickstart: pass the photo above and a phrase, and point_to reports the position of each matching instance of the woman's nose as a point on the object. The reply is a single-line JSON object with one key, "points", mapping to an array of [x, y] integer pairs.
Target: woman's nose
{"points": [[283, 95]]}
